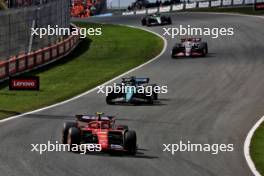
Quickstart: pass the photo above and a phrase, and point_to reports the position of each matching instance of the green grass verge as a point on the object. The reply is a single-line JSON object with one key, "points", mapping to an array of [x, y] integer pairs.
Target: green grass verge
{"points": [[243, 10], [96, 60], [257, 149]]}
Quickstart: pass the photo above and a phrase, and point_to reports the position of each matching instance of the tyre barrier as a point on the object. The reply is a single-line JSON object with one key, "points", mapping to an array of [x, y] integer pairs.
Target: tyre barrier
{"points": [[16, 65], [191, 5]]}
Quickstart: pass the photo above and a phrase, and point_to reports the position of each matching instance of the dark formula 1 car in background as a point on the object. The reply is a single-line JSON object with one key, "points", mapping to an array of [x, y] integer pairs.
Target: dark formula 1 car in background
{"points": [[100, 129], [133, 93], [156, 19], [190, 47]]}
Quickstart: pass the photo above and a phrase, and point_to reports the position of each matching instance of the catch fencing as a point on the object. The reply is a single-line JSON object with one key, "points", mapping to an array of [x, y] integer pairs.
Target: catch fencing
{"points": [[16, 24], [20, 51]]}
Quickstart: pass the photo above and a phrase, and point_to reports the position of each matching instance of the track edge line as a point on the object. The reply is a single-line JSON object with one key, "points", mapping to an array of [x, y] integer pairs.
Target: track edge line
{"points": [[247, 147]]}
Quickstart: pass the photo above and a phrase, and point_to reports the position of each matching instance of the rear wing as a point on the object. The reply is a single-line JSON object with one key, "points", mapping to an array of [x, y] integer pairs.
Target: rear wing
{"points": [[137, 80], [191, 39], [90, 118]]}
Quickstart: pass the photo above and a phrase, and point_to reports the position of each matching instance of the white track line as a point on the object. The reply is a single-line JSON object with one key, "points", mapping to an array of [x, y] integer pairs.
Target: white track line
{"points": [[93, 89], [247, 147]]}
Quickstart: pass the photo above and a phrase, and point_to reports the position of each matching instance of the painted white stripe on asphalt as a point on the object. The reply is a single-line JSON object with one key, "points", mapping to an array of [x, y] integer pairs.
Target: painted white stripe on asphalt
{"points": [[247, 147]]}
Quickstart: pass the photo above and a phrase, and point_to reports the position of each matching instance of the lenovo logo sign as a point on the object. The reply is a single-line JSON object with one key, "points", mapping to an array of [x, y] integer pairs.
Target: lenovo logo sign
{"points": [[259, 6], [24, 83]]}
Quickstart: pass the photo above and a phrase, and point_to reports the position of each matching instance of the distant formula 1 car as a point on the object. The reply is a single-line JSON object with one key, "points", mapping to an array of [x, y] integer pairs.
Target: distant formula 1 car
{"points": [[156, 19], [136, 92], [100, 129], [189, 47]]}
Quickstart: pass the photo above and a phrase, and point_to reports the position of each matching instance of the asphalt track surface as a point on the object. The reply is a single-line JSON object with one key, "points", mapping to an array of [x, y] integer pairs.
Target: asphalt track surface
{"points": [[216, 99]]}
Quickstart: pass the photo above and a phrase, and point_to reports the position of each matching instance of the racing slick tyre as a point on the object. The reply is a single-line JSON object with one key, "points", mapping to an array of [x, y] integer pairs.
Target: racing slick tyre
{"points": [[143, 22], [175, 49], [155, 96], [130, 141], [147, 23], [65, 130], [109, 100], [204, 48], [150, 99], [169, 21], [74, 138]]}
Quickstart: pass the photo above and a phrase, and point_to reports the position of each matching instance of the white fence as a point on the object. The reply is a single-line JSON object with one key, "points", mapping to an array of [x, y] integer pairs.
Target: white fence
{"points": [[183, 6]]}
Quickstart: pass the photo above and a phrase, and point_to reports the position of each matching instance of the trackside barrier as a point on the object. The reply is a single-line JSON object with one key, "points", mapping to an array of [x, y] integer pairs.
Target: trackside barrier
{"points": [[152, 10], [46, 52], [177, 7], [21, 59], [165, 9], [141, 12], [38, 57], [191, 5], [237, 2], [227, 2], [216, 3], [128, 13], [3, 69], [12, 68], [203, 4], [16, 65], [249, 1], [54, 51], [30, 60]]}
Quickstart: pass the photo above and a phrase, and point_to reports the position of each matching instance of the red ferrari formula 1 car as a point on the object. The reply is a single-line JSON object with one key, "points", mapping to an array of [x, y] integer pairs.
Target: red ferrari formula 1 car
{"points": [[190, 47], [100, 129]]}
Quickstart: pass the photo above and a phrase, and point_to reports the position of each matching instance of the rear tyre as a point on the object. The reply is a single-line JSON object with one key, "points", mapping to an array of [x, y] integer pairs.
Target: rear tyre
{"points": [[74, 139], [143, 22], [150, 99], [204, 48], [147, 23], [155, 95], [109, 100], [169, 21], [65, 130], [131, 142], [175, 50]]}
